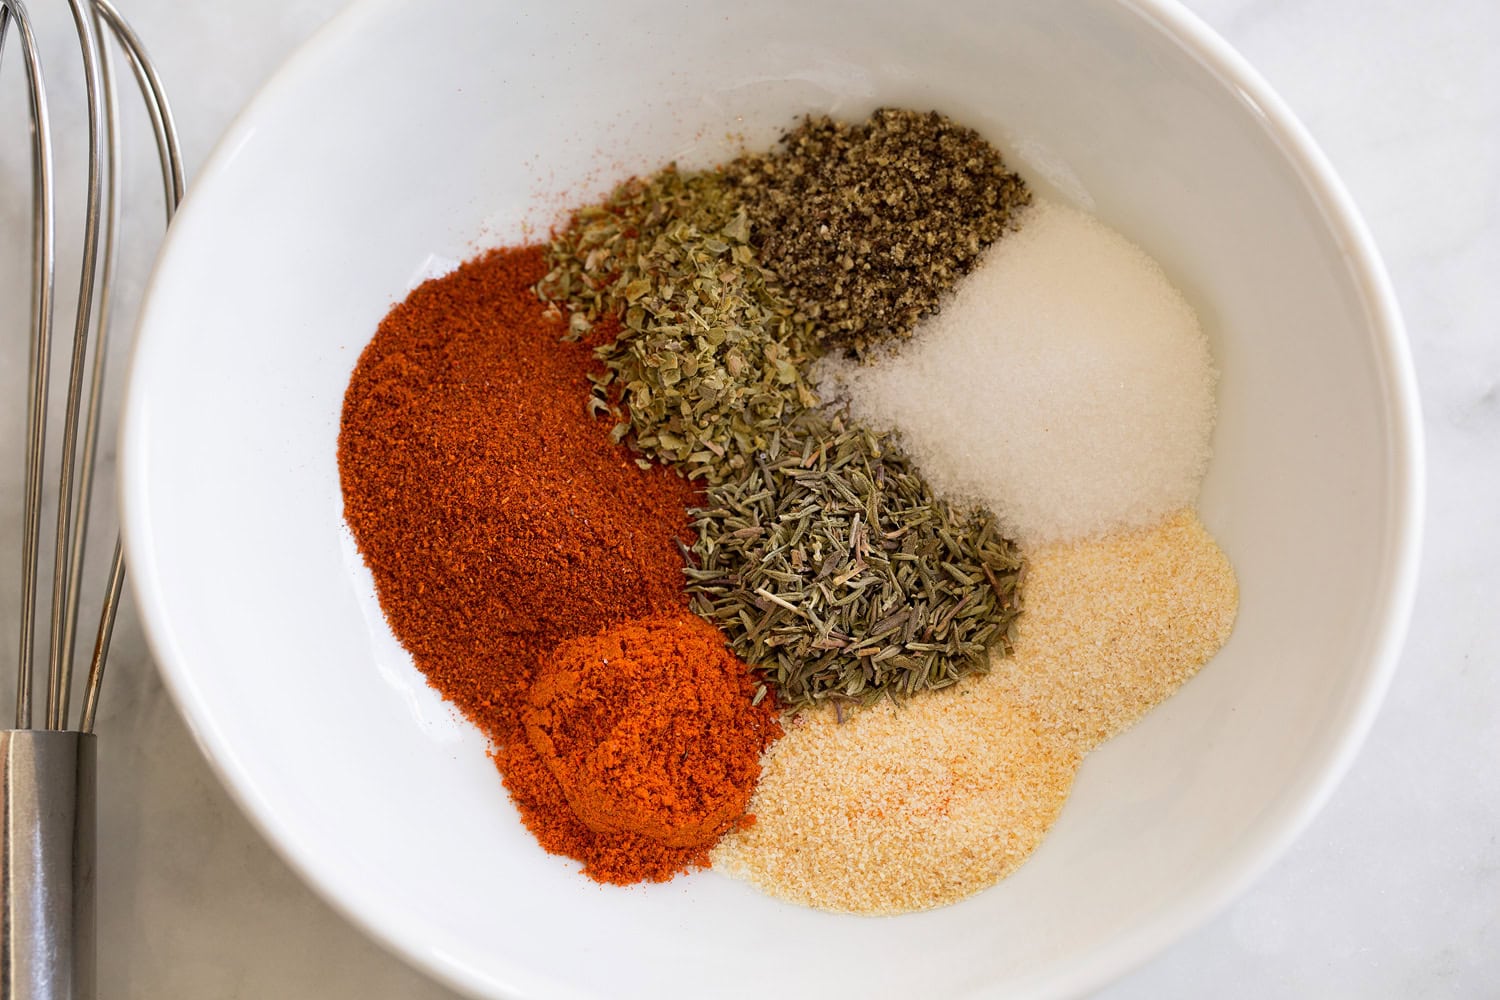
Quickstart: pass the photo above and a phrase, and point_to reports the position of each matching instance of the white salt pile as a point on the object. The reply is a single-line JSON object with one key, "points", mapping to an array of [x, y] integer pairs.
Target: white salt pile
{"points": [[1066, 385]]}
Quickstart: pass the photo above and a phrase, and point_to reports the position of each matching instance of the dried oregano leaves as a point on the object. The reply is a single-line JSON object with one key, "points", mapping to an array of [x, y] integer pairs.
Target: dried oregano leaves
{"points": [[821, 554], [710, 360], [831, 568], [868, 225]]}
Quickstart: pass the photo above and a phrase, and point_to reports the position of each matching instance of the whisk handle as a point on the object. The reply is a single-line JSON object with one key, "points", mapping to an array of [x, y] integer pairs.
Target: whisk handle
{"points": [[46, 865]]}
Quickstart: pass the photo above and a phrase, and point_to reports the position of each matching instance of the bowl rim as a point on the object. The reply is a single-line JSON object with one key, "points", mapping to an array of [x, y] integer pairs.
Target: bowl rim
{"points": [[1242, 865]]}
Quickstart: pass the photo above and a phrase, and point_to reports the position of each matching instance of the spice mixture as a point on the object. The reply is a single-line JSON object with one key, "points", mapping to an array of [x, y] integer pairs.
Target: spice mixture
{"points": [[1087, 364], [832, 578], [706, 617], [499, 520], [904, 808]]}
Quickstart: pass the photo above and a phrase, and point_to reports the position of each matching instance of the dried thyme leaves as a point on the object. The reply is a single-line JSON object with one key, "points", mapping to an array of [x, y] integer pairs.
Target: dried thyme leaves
{"points": [[868, 225], [832, 568], [710, 360]]}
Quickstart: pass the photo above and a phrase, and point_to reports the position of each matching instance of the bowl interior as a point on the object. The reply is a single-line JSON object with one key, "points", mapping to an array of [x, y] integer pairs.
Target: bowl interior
{"points": [[409, 135]]}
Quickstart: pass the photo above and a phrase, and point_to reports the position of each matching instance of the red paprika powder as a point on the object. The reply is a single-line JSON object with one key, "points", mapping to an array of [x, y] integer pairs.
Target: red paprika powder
{"points": [[499, 520]]}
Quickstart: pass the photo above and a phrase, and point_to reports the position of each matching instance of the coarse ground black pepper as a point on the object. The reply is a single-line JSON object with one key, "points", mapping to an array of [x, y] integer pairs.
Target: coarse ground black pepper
{"points": [[868, 225]]}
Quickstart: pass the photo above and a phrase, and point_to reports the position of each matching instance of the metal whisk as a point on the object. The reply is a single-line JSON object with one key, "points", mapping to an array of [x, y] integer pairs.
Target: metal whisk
{"points": [[47, 774]]}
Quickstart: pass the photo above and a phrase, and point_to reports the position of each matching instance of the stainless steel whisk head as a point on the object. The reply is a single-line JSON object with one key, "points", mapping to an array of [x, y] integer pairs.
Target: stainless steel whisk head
{"points": [[47, 773]]}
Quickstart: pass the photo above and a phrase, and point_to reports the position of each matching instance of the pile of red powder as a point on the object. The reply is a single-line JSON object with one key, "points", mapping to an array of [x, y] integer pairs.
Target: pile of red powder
{"points": [[499, 520]]}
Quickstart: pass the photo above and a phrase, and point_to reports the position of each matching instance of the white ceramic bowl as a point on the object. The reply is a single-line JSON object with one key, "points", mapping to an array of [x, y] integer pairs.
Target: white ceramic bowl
{"points": [[412, 133]]}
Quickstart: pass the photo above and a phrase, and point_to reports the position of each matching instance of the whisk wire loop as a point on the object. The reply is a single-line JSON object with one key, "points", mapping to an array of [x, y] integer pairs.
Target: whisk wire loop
{"points": [[96, 22], [42, 266], [59, 672], [154, 95], [93, 409]]}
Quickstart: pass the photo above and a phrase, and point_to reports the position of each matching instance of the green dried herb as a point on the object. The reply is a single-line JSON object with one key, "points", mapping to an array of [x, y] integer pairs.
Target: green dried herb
{"points": [[709, 359], [868, 225], [833, 570]]}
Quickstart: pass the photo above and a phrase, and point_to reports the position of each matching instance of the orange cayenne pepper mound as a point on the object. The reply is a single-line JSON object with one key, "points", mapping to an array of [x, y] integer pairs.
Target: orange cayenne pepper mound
{"points": [[499, 520], [649, 729]]}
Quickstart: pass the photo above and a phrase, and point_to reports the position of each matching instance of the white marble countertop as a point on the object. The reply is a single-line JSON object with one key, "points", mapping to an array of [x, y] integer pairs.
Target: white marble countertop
{"points": [[1395, 889]]}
